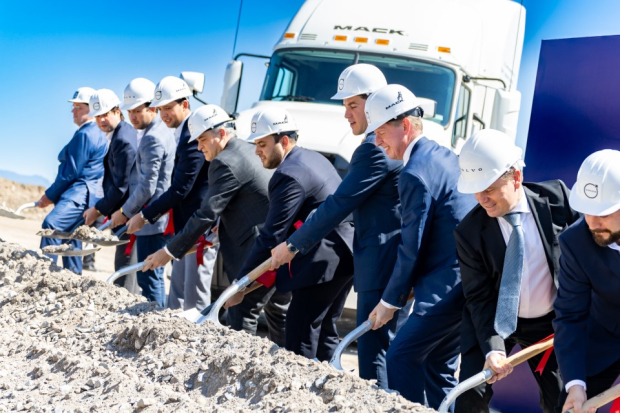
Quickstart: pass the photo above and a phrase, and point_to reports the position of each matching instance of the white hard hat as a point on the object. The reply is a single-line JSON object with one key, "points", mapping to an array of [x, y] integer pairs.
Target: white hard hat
{"points": [[597, 190], [268, 121], [359, 79], [387, 103], [486, 156], [169, 89], [204, 118], [82, 95], [102, 101], [138, 92]]}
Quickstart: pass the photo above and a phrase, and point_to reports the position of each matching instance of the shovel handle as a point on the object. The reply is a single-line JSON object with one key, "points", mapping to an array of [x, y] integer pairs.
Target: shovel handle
{"points": [[601, 399], [121, 231], [529, 352], [260, 270], [26, 206], [105, 225]]}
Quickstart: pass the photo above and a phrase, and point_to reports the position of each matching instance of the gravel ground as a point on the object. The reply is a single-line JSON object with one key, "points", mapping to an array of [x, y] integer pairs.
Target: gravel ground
{"points": [[72, 343]]}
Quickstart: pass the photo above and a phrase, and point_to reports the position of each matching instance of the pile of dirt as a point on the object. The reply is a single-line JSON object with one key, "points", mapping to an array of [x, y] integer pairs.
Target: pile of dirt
{"points": [[72, 343], [14, 195], [90, 234]]}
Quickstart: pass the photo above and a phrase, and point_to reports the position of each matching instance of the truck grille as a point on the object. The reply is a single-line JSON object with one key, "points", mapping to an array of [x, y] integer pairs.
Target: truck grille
{"points": [[307, 36], [418, 46]]}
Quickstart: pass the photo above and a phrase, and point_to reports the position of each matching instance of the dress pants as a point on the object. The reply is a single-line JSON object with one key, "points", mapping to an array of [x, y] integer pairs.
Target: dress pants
{"points": [[65, 217], [596, 384], [190, 284], [245, 315], [152, 281], [372, 346], [529, 331], [121, 260], [311, 319], [423, 357]]}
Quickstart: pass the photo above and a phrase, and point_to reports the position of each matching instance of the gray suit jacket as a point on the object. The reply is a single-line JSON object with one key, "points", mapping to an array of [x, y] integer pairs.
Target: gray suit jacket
{"points": [[151, 176], [238, 195]]}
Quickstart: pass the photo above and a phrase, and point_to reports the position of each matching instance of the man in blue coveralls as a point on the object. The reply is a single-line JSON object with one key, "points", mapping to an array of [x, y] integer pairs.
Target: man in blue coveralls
{"points": [[78, 183]]}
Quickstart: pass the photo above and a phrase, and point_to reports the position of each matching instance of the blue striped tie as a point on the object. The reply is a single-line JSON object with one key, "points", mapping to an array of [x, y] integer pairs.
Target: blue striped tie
{"points": [[510, 287]]}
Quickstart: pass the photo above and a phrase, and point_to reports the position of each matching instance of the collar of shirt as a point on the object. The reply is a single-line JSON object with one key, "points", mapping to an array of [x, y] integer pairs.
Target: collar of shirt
{"points": [[407, 154], [86, 123], [108, 136], [140, 135], [179, 129], [614, 246]]}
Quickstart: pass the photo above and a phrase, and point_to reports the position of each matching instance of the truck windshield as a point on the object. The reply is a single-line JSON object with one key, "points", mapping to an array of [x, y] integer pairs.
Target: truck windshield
{"points": [[311, 76]]}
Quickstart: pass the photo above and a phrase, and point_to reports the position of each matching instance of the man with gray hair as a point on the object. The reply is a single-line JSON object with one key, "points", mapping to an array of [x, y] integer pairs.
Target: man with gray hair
{"points": [[150, 179]]}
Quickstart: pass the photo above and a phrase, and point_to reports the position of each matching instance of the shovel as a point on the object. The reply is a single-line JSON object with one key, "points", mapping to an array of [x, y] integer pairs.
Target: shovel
{"points": [[601, 399], [8, 213], [486, 374], [351, 337], [193, 315], [75, 253], [116, 238], [61, 234], [234, 288]]}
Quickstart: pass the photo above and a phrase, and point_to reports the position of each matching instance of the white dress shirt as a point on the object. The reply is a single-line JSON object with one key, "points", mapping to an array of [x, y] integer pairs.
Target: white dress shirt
{"points": [[406, 157], [537, 288], [140, 135]]}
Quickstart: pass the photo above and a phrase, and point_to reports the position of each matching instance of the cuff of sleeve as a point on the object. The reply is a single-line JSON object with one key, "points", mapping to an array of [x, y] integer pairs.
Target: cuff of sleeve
{"points": [[169, 254], [575, 383], [495, 352], [390, 306]]}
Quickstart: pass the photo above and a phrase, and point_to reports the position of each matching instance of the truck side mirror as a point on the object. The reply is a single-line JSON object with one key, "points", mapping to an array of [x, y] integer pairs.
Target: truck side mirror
{"points": [[506, 112], [195, 81], [232, 83]]}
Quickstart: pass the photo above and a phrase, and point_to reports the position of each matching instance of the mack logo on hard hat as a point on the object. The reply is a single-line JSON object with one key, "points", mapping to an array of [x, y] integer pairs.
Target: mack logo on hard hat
{"points": [[484, 158], [597, 190], [388, 103], [270, 121], [206, 118]]}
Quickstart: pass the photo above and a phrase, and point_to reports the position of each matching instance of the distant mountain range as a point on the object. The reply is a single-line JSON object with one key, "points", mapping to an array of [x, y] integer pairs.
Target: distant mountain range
{"points": [[25, 179]]}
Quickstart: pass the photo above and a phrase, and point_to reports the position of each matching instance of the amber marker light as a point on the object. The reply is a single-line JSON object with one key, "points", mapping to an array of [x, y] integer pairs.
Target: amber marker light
{"points": [[361, 40], [382, 42], [443, 49], [289, 35], [340, 38]]}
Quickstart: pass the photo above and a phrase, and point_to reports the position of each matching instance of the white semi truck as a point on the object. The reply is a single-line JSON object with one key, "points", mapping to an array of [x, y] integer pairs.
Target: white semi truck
{"points": [[461, 56]]}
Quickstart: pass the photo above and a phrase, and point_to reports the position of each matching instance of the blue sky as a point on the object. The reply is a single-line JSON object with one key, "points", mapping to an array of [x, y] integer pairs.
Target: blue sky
{"points": [[49, 49]]}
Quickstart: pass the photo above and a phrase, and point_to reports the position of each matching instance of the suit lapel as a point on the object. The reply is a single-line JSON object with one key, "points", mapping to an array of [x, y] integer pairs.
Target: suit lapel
{"points": [[542, 216]]}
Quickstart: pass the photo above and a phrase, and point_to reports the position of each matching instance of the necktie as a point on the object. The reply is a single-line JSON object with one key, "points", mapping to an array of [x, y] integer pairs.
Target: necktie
{"points": [[510, 287]]}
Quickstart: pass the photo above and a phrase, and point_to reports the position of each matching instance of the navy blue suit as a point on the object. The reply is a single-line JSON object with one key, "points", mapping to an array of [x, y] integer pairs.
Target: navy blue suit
{"points": [[423, 356], [370, 192], [119, 163], [587, 323], [75, 186], [189, 184], [321, 278]]}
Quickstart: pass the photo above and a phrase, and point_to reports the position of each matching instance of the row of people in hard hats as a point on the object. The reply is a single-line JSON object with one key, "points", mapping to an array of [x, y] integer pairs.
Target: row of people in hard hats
{"points": [[405, 215]]}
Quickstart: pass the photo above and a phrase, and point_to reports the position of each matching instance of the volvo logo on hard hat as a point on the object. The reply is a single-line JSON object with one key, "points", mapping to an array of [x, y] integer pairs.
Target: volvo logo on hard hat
{"points": [[96, 106], [471, 169], [399, 99], [340, 85], [590, 190], [158, 95], [253, 127]]}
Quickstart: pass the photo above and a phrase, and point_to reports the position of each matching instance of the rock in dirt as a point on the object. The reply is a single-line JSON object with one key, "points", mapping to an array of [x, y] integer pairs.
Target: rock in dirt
{"points": [[72, 343], [90, 234], [54, 249]]}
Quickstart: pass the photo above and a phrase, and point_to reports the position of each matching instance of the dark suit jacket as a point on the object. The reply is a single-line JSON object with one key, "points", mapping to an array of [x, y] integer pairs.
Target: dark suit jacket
{"points": [[81, 166], [238, 195], [587, 324], [431, 209], [189, 184], [300, 184], [481, 250], [118, 165], [370, 192]]}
